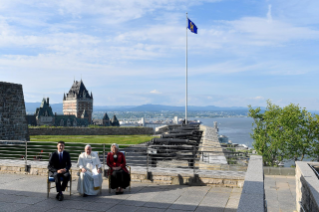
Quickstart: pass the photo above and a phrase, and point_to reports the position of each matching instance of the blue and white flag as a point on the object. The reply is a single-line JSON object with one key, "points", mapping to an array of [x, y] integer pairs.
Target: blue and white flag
{"points": [[191, 26]]}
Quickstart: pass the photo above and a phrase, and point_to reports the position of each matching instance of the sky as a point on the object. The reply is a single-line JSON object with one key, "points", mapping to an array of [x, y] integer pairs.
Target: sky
{"points": [[132, 52]]}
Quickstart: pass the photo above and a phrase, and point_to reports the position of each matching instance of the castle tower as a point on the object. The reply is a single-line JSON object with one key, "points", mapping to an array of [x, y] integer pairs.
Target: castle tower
{"points": [[78, 101]]}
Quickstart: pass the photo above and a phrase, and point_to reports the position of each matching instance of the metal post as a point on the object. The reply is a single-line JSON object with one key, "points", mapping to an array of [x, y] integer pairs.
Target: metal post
{"points": [[194, 159], [147, 162], [186, 70], [103, 157], [26, 168], [26, 153]]}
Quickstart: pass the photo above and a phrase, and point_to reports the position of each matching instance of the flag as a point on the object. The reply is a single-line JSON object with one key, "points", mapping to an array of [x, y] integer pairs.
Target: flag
{"points": [[191, 26]]}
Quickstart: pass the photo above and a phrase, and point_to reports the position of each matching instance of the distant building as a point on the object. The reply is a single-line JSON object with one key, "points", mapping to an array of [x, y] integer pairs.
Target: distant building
{"points": [[78, 102], [44, 116], [115, 122], [105, 121]]}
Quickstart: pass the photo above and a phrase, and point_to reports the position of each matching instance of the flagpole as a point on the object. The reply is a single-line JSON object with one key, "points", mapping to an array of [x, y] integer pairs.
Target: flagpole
{"points": [[186, 70]]}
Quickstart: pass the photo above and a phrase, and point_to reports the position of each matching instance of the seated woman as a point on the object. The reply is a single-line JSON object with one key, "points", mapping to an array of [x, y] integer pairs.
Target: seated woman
{"points": [[120, 178]]}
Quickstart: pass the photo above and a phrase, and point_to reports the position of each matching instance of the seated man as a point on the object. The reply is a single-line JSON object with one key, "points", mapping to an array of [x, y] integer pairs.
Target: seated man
{"points": [[90, 179], [59, 166]]}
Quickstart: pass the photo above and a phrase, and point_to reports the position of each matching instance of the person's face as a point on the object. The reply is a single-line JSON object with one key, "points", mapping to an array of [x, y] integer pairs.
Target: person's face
{"points": [[60, 147], [88, 150], [114, 149]]}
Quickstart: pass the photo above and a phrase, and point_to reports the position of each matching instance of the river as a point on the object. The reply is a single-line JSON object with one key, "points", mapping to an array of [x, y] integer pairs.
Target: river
{"points": [[236, 129]]}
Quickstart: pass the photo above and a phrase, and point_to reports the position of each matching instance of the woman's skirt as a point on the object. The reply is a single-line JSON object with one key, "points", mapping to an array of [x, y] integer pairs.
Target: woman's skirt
{"points": [[120, 178]]}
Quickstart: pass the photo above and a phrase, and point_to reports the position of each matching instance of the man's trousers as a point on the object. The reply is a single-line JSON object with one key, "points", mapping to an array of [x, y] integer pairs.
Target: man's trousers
{"points": [[57, 178]]}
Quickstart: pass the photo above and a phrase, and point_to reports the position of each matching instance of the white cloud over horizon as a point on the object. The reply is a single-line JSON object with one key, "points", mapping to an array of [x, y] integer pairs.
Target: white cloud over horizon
{"points": [[127, 49]]}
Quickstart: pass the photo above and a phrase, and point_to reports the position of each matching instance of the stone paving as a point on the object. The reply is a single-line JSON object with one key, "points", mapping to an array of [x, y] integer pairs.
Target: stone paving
{"points": [[28, 193], [210, 142], [280, 193]]}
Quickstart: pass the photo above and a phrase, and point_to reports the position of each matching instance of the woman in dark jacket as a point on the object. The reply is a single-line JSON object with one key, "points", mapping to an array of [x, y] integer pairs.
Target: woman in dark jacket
{"points": [[120, 178]]}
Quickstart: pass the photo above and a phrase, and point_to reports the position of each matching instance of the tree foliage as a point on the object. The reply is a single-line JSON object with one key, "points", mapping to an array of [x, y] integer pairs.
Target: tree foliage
{"points": [[284, 133]]}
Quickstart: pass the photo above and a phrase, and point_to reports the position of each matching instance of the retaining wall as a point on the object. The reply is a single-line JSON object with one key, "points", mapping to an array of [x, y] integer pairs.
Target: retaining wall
{"points": [[252, 198], [307, 187], [13, 123], [285, 171], [92, 131], [139, 174]]}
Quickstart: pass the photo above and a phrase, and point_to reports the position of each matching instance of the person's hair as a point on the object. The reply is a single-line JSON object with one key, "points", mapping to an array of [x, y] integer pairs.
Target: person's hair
{"points": [[116, 145], [61, 142], [88, 145]]}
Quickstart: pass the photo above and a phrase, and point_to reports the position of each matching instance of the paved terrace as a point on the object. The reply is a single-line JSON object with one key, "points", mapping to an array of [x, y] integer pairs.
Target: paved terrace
{"points": [[27, 193], [280, 192]]}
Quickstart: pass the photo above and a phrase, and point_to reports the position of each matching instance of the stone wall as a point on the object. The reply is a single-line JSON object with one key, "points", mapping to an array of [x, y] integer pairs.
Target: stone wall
{"points": [[92, 131], [137, 175], [13, 123], [307, 187], [166, 128], [252, 198]]}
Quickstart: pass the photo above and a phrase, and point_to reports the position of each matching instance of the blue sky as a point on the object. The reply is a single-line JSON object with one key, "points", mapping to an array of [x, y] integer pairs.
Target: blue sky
{"points": [[133, 52]]}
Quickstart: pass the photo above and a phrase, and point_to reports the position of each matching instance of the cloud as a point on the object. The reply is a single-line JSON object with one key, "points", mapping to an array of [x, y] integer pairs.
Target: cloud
{"points": [[133, 45], [155, 92], [102, 11], [258, 98], [269, 17]]}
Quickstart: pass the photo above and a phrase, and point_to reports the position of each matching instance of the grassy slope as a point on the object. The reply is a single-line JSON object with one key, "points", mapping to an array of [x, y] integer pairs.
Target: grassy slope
{"points": [[119, 139]]}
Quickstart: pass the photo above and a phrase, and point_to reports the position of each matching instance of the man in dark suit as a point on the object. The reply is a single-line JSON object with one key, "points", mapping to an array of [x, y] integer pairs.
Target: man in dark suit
{"points": [[59, 166]]}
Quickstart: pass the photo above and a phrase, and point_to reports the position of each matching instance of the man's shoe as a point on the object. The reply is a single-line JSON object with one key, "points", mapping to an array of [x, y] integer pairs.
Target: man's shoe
{"points": [[57, 196], [85, 195], [61, 197]]}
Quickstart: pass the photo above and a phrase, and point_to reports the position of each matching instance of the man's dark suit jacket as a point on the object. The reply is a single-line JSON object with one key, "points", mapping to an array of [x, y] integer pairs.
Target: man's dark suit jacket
{"points": [[55, 165]]}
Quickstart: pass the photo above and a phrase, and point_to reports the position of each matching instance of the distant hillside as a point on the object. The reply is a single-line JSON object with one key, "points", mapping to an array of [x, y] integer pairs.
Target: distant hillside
{"points": [[151, 107], [58, 108], [32, 106]]}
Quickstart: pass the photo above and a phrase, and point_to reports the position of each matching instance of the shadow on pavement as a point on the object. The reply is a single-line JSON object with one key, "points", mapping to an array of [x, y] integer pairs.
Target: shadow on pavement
{"points": [[28, 194]]}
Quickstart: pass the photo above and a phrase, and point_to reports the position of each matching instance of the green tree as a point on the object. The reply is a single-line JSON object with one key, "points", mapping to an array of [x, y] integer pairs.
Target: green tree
{"points": [[265, 128], [284, 133]]}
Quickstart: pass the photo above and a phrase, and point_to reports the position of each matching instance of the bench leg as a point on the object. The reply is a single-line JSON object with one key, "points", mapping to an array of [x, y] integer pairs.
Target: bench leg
{"points": [[109, 184], [70, 183], [48, 188]]}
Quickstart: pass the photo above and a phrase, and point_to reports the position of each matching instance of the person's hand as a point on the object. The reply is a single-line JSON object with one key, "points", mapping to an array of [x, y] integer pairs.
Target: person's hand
{"points": [[99, 171], [117, 168], [83, 170], [61, 171]]}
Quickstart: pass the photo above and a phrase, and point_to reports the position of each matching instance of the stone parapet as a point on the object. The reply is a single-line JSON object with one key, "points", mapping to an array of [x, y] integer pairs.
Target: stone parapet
{"points": [[252, 198], [91, 131], [139, 174], [307, 187]]}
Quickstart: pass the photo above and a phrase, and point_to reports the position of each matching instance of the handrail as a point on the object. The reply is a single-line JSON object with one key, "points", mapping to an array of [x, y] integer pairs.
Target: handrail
{"points": [[317, 174], [300, 203], [190, 157]]}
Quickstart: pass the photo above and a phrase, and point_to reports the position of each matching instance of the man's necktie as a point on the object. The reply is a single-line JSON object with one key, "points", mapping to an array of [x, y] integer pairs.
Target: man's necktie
{"points": [[60, 156]]}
